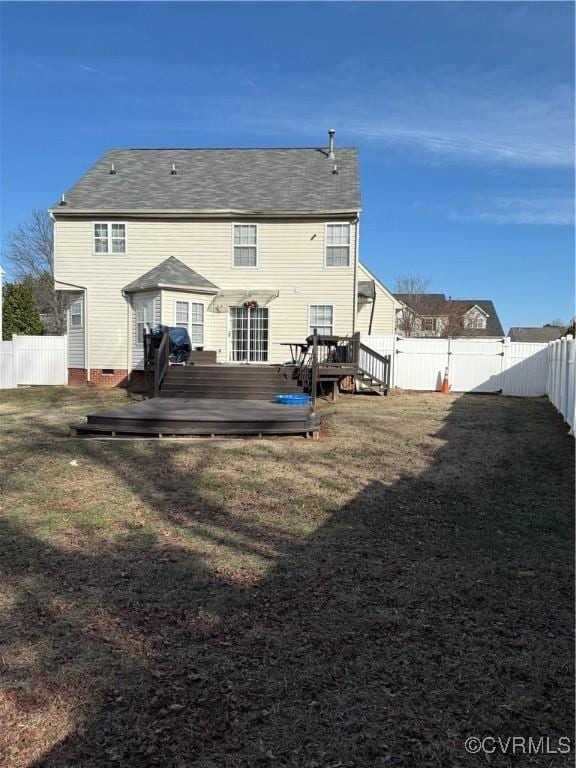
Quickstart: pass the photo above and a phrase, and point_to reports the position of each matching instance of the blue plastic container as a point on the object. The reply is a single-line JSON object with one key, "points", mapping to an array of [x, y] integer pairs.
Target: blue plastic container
{"points": [[299, 400]]}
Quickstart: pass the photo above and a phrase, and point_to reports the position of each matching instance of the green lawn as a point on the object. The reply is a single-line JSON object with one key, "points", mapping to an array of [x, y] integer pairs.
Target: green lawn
{"points": [[366, 600]]}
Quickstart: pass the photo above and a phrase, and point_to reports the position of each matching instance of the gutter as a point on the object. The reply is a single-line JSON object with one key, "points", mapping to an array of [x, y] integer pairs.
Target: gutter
{"points": [[66, 212]]}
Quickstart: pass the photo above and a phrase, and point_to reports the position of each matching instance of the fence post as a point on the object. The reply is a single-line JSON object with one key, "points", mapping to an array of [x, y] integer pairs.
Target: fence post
{"points": [[569, 414], [314, 382], [506, 348]]}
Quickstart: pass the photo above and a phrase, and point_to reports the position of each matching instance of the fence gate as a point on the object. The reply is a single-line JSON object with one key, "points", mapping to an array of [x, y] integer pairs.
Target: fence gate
{"points": [[476, 365]]}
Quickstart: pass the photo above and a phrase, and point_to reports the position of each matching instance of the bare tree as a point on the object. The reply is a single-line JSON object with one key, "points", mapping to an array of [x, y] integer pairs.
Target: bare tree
{"points": [[411, 289], [30, 253]]}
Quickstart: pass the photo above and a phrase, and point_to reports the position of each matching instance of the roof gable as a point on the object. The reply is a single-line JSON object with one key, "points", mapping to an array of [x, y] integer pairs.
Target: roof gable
{"points": [[171, 273], [214, 181]]}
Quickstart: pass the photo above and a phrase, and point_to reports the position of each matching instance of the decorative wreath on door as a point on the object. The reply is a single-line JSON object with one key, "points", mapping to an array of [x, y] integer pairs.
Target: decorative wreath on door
{"points": [[250, 304]]}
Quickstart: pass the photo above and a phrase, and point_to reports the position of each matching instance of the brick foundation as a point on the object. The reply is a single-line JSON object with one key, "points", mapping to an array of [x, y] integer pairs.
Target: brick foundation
{"points": [[139, 380]]}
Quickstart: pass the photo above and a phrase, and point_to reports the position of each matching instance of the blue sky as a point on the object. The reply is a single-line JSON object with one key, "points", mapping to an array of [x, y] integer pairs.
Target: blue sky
{"points": [[463, 113]]}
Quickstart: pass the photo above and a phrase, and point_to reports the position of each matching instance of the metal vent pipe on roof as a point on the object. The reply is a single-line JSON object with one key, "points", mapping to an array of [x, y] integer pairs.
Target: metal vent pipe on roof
{"points": [[331, 155]]}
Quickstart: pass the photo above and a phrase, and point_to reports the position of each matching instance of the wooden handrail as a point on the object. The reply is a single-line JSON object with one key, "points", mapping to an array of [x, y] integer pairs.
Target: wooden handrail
{"points": [[314, 378], [161, 361], [373, 353]]}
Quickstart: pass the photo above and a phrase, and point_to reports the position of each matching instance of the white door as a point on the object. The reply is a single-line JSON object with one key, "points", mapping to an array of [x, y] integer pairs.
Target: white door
{"points": [[249, 334], [143, 322]]}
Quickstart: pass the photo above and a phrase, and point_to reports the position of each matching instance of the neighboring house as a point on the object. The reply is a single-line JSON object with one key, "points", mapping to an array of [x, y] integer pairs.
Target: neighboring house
{"points": [[432, 314], [2, 273], [249, 249], [536, 335]]}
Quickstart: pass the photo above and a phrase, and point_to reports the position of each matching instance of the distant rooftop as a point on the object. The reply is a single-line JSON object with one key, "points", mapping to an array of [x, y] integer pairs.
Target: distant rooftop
{"points": [[536, 334], [291, 180]]}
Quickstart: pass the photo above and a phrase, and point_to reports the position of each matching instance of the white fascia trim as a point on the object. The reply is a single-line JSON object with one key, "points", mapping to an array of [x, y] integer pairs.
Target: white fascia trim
{"points": [[175, 212]]}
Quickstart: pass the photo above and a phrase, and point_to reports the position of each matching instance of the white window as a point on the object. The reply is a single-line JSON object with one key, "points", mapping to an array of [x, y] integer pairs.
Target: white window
{"points": [[190, 315], [429, 324], [76, 314], [182, 314], [337, 245], [477, 322], [109, 237], [144, 319], [322, 318], [245, 245]]}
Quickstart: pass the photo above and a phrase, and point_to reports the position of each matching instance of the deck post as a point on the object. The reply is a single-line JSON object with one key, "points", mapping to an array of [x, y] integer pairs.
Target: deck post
{"points": [[356, 348], [314, 382]]}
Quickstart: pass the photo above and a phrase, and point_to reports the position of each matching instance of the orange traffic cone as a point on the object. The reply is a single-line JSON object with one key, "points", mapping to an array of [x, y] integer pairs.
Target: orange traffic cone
{"points": [[445, 388]]}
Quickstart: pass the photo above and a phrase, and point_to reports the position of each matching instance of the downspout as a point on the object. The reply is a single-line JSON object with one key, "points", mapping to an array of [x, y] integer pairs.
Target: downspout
{"points": [[372, 311], [355, 296], [86, 336]]}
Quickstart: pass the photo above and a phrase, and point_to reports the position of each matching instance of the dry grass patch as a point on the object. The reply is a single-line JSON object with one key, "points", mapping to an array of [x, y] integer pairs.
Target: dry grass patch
{"points": [[366, 600]]}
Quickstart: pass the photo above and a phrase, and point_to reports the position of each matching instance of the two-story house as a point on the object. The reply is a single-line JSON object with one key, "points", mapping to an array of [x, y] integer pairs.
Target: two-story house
{"points": [[247, 248], [434, 315]]}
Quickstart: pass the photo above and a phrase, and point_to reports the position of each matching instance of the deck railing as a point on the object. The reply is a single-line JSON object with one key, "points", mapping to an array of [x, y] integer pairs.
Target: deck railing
{"points": [[327, 354], [156, 357], [161, 362]]}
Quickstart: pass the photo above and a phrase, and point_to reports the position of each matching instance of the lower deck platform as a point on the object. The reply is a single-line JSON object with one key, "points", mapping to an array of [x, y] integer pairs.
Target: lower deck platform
{"points": [[164, 417]]}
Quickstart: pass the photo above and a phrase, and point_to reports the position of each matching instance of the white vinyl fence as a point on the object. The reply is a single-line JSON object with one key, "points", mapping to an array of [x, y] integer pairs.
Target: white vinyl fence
{"points": [[561, 380], [484, 365], [33, 360]]}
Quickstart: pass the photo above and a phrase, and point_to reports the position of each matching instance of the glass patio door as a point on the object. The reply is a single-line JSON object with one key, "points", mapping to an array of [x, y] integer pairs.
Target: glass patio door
{"points": [[249, 334]]}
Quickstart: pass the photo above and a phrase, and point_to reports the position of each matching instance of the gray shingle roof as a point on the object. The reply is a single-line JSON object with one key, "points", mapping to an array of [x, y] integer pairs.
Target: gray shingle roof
{"points": [[243, 180], [535, 335], [171, 273]]}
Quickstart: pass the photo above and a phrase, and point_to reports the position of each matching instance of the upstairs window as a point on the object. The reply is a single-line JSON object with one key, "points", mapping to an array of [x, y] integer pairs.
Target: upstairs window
{"points": [[109, 237], [337, 245], [429, 324], [76, 314], [322, 318], [245, 245], [476, 323]]}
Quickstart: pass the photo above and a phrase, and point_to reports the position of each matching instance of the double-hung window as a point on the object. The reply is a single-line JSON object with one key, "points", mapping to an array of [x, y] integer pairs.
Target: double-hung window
{"points": [[109, 237], [322, 319], [337, 245], [76, 314], [190, 315], [245, 245], [429, 324]]}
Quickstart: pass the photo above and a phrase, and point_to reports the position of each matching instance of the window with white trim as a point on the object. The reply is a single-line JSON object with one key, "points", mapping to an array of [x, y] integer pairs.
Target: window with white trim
{"points": [[109, 237], [337, 245], [245, 245], [322, 318], [476, 323], [190, 315], [429, 324], [76, 314], [144, 319]]}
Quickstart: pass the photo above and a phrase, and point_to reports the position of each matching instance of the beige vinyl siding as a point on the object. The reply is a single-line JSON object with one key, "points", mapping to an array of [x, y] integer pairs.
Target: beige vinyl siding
{"points": [[383, 322], [169, 299], [75, 335], [290, 260]]}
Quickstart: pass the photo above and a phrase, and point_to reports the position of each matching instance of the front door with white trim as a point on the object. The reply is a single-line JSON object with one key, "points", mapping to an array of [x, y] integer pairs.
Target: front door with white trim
{"points": [[249, 334]]}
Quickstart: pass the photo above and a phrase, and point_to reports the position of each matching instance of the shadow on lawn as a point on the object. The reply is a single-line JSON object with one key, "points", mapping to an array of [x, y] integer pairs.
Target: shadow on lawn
{"points": [[417, 615]]}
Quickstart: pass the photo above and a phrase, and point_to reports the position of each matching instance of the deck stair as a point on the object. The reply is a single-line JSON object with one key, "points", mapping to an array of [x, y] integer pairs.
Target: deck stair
{"points": [[225, 382]]}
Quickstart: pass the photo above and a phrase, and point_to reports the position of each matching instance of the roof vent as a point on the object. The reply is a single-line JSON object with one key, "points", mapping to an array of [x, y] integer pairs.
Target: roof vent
{"points": [[63, 200], [112, 170], [335, 170], [173, 172], [331, 155]]}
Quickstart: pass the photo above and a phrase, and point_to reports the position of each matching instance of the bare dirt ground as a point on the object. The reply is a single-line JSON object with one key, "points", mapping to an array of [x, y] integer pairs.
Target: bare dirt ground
{"points": [[367, 600]]}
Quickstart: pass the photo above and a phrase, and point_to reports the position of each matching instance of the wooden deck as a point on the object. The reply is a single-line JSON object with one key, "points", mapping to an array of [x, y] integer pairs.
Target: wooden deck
{"points": [[166, 417]]}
